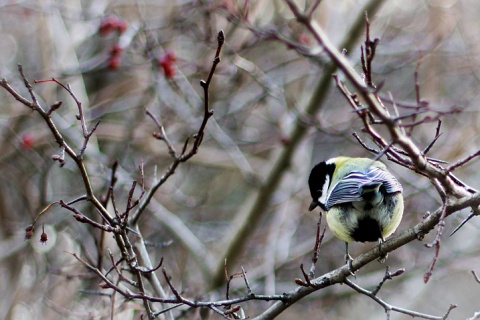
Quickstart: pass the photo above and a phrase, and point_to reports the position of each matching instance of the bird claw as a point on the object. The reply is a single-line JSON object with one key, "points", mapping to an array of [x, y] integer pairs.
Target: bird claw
{"points": [[384, 256], [348, 261]]}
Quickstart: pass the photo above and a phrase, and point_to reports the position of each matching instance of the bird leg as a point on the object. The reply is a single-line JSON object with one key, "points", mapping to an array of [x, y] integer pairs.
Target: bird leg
{"points": [[348, 260], [384, 256]]}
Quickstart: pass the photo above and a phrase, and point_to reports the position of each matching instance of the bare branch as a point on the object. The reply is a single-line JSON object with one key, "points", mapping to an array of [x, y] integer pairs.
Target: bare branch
{"points": [[198, 137], [437, 135], [389, 308], [162, 135]]}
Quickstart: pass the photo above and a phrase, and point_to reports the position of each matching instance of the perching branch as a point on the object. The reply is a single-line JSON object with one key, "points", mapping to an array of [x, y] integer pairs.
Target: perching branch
{"points": [[341, 274], [259, 208]]}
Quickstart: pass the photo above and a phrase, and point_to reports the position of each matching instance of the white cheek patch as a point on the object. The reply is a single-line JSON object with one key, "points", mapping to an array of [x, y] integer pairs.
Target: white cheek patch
{"points": [[323, 198]]}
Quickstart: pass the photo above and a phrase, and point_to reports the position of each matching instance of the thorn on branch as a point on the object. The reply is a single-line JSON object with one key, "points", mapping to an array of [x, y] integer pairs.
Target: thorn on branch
{"points": [[470, 216], [437, 135]]}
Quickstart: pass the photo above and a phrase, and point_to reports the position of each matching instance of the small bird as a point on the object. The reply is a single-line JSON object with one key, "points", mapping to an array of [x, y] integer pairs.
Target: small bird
{"points": [[363, 201]]}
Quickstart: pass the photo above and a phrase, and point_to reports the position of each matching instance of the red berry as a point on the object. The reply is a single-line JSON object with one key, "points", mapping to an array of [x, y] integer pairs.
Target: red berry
{"points": [[170, 54], [113, 62], [167, 67], [116, 50], [169, 71], [107, 25], [27, 140], [166, 62]]}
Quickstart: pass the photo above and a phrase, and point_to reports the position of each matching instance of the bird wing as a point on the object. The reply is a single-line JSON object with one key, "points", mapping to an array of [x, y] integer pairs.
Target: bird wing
{"points": [[350, 188]]}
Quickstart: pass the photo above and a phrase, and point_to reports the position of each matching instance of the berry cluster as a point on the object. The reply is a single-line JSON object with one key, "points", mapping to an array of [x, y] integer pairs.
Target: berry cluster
{"points": [[107, 26], [166, 63], [110, 24], [114, 57]]}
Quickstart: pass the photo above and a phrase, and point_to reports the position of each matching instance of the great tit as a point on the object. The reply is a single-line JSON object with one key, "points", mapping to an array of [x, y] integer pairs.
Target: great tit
{"points": [[362, 200]]}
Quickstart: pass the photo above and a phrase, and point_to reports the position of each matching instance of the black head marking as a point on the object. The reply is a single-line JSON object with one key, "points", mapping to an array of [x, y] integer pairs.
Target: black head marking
{"points": [[317, 179]]}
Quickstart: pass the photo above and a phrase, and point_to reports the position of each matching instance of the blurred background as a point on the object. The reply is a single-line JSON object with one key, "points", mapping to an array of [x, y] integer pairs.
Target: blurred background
{"points": [[123, 57]]}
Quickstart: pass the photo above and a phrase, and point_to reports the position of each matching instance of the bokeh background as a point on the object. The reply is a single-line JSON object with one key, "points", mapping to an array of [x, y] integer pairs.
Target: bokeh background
{"points": [[123, 57]]}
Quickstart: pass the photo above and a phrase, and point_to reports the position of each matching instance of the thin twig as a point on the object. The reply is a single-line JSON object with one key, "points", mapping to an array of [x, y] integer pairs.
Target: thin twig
{"points": [[389, 308], [463, 161], [162, 135], [475, 276], [437, 135], [207, 112], [388, 276], [316, 249]]}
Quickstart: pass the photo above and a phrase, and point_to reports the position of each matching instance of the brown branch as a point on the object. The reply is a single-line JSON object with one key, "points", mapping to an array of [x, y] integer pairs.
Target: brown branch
{"points": [[77, 158], [437, 135], [207, 112], [16, 95], [368, 54], [80, 116], [316, 249], [120, 275], [259, 208], [153, 269], [391, 244], [80, 217], [463, 161], [388, 276], [389, 308], [162, 135]]}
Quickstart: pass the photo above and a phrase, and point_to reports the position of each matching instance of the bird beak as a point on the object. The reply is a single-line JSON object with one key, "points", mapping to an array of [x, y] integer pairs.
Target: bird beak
{"points": [[313, 205]]}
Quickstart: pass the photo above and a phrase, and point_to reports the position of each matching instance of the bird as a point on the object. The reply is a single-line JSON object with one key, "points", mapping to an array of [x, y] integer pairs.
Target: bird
{"points": [[362, 200]]}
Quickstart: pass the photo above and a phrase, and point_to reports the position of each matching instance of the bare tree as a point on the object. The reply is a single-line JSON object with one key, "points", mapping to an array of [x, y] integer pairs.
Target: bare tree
{"points": [[210, 222]]}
